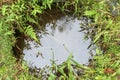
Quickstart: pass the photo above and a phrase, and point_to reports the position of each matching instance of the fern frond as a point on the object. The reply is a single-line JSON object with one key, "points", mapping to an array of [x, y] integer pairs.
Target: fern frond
{"points": [[29, 31]]}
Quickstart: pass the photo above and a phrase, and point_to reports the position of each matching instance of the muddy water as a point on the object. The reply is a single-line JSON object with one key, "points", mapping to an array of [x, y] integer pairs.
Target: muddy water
{"points": [[57, 41]]}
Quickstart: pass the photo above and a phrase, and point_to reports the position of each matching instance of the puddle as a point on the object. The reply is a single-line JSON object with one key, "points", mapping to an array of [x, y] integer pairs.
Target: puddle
{"points": [[57, 42]]}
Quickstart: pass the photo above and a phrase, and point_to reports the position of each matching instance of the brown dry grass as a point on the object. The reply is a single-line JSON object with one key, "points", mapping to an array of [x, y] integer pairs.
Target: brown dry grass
{"points": [[5, 2]]}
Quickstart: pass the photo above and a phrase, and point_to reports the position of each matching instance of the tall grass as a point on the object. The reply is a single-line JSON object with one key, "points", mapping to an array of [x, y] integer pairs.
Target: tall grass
{"points": [[106, 21]]}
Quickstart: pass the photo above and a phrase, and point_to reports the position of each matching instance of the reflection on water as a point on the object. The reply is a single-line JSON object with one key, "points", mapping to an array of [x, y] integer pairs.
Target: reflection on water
{"points": [[59, 40]]}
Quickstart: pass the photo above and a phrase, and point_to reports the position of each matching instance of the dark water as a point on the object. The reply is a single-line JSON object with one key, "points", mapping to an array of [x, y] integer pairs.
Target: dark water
{"points": [[57, 41]]}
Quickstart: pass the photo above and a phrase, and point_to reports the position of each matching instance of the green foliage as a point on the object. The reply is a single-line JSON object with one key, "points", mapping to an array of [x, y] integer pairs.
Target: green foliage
{"points": [[6, 71], [47, 3], [30, 32], [10, 70], [20, 15], [90, 13], [67, 71], [107, 30], [104, 19], [6, 38]]}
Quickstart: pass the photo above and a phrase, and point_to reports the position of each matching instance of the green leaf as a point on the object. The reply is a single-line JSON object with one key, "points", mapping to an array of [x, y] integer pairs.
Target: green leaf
{"points": [[31, 20], [110, 22], [117, 39], [4, 8], [61, 78], [49, 5], [30, 32], [9, 33], [90, 13], [96, 17], [52, 77], [34, 12], [98, 51], [98, 36], [62, 71], [79, 65], [69, 57]]}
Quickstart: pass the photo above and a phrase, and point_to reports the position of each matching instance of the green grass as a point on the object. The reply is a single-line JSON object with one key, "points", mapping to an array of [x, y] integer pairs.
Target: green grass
{"points": [[22, 15]]}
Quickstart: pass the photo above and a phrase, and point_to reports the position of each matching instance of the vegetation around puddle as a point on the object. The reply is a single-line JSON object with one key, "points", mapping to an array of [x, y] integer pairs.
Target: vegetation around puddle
{"points": [[23, 16]]}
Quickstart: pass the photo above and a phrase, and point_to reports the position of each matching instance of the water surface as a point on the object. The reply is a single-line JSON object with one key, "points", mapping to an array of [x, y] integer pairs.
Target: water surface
{"points": [[57, 41]]}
